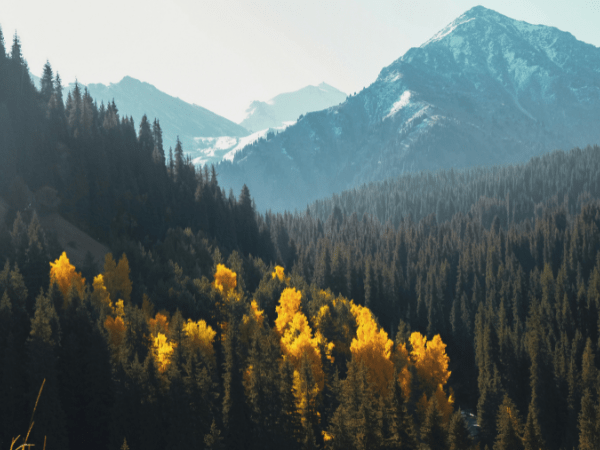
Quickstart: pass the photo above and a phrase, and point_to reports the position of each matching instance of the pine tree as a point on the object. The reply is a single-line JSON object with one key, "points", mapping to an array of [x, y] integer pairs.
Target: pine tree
{"points": [[458, 433], [433, 434], [42, 347], [47, 88], [234, 408], [179, 163], [16, 56], [588, 432], [158, 153], [509, 427]]}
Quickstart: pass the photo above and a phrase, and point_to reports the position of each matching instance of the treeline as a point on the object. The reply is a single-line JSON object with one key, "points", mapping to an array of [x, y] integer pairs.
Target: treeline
{"points": [[100, 171], [513, 193]]}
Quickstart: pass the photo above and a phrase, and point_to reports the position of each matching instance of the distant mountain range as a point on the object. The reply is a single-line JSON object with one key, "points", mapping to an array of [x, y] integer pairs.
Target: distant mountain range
{"points": [[289, 106], [207, 137], [177, 117], [485, 90]]}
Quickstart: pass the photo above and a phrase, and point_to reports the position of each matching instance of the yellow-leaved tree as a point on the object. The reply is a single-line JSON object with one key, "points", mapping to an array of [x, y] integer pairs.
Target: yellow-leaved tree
{"points": [[225, 280], [100, 295], [251, 322], [200, 336], [289, 305], [116, 327], [302, 350], [373, 348], [163, 349], [158, 324], [63, 273], [116, 278], [278, 273], [431, 363]]}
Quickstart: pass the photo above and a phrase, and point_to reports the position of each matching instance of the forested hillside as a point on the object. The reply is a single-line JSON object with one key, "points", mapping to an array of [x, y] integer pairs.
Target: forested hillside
{"points": [[513, 193], [211, 326]]}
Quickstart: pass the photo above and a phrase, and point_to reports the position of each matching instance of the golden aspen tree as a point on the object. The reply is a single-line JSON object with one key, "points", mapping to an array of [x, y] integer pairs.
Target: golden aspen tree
{"points": [[301, 349], [63, 273], [158, 324], [116, 277], [298, 341], [289, 305], [431, 364], [225, 280], [162, 351], [100, 295], [200, 336], [373, 348], [251, 322], [278, 273], [116, 330]]}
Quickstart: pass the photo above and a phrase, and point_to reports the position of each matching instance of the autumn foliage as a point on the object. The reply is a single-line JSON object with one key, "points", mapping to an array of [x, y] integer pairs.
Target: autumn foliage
{"points": [[63, 273], [372, 347], [225, 280], [200, 336]]}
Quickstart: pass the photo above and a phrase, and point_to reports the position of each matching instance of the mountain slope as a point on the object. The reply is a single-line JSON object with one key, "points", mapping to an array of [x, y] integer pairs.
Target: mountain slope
{"points": [[484, 90], [288, 106], [176, 117]]}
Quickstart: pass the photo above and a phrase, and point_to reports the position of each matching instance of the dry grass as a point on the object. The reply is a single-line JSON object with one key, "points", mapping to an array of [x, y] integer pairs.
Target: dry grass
{"points": [[25, 445], [74, 241]]}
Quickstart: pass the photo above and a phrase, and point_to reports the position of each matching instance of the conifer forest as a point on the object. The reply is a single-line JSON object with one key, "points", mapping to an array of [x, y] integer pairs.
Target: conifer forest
{"points": [[457, 309]]}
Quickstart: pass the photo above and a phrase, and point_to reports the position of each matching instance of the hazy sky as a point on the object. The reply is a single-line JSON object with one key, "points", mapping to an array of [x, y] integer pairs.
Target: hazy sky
{"points": [[222, 54]]}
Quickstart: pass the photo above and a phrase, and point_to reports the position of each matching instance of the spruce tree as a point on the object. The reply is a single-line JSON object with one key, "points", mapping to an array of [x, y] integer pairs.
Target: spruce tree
{"points": [[433, 433], [47, 81], [588, 432], [42, 347], [458, 433], [509, 427]]}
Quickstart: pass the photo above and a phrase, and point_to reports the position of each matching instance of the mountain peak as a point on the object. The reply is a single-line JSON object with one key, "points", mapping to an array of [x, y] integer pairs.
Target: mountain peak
{"points": [[480, 11]]}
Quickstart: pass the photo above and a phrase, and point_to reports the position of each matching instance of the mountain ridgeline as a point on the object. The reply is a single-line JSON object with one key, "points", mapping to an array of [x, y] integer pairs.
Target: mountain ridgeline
{"points": [[289, 106], [485, 90]]}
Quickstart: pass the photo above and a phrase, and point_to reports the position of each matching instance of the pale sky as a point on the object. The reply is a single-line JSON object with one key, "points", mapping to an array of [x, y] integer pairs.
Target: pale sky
{"points": [[222, 54]]}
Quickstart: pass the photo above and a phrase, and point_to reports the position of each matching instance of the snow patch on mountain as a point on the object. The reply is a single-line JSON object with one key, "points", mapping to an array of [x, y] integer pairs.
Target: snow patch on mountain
{"points": [[446, 31], [211, 150], [404, 100]]}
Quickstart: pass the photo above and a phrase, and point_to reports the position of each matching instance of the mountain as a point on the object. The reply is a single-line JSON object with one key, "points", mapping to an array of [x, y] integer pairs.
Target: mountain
{"points": [[211, 150], [177, 118], [484, 90], [288, 106]]}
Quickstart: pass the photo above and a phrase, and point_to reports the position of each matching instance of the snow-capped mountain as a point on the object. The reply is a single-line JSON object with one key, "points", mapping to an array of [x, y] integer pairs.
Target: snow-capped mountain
{"points": [[290, 105], [485, 90], [177, 117]]}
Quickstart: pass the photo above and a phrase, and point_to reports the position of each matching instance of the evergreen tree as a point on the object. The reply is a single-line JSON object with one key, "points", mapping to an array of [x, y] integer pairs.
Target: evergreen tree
{"points": [[458, 434], [158, 153], [42, 347], [509, 427], [588, 432], [433, 434], [47, 82]]}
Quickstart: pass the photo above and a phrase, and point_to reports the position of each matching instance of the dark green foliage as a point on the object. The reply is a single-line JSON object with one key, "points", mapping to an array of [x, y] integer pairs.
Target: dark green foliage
{"points": [[433, 434], [508, 426]]}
